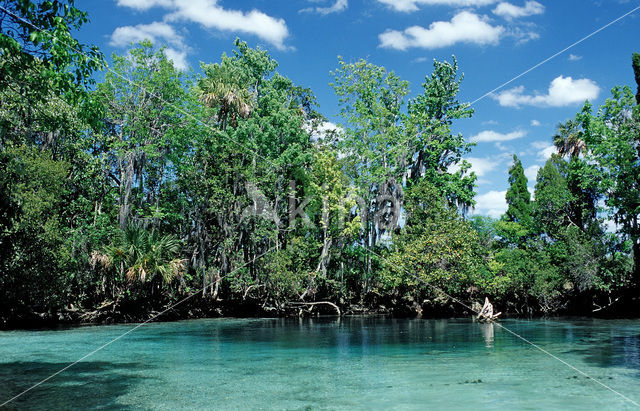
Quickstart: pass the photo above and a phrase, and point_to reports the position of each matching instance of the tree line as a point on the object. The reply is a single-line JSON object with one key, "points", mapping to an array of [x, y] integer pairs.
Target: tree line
{"points": [[122, 196]]}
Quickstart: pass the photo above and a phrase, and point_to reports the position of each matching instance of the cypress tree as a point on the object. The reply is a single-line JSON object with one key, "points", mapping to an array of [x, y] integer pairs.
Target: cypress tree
{"points": [[551, 208], [518, 196]]}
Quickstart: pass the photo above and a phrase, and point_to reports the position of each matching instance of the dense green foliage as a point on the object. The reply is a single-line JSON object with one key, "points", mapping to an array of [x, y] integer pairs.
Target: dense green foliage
{"points": [[120, 198], [518, 196]]}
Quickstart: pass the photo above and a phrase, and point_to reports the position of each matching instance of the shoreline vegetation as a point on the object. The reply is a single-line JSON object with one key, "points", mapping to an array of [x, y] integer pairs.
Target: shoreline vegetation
{"points": [[122, 196]]}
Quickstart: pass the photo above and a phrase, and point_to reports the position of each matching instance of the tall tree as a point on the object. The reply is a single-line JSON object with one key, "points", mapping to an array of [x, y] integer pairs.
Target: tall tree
{"points": [[518, 196], [228, 88], [581, 177], [551, 209], [35, 258], [613, 137], [241, 167], [435, 244], [371, 100], [568, 139], [433, 150], [44, 74], [141, 99]]}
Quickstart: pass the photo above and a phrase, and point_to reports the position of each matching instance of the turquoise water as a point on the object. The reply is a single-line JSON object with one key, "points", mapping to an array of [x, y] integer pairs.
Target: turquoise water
{"points": [[348, 363]]}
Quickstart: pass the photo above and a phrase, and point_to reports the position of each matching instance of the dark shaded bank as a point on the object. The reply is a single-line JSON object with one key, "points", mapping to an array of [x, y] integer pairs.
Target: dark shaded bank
{"points": [[200, 308]]}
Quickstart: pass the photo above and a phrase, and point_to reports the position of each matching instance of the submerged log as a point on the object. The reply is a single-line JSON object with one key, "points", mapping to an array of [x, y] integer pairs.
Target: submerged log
{"points": [[486, 313]]}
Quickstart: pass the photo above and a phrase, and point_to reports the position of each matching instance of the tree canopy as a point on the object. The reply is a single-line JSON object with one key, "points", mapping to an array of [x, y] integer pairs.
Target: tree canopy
{"points": [[123, 195]]}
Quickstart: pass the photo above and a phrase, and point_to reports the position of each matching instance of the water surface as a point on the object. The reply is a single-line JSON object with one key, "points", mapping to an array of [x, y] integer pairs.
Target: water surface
{"points": [[348, 363]]}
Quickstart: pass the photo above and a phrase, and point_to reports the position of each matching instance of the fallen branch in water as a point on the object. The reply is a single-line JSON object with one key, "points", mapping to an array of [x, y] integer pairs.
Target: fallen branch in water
{"points": [[319, 303], [600, 308]]}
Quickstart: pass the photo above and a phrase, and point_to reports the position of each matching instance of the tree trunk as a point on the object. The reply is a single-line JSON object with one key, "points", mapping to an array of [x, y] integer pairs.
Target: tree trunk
{"points": [[126, 178]]}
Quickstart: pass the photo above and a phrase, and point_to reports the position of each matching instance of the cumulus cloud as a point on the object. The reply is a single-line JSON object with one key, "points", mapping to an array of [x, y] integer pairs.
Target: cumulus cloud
{"points": [[464, 27], [156, 32], [574, 57], [179, 58], [511, 11], [412, 5], [125, 35], [213, 16], [338, 6], [481, 166], [535, 123], [546, 152], [490, 136], [563, 91], [492, 203], [531, 173], [210, 15]]}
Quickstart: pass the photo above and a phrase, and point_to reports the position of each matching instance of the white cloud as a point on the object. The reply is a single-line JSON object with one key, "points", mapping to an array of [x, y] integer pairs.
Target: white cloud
{"points": [[213, 16], [178, 57], [156, 32], [492, 203], [144, 4], [510, 11], [563, 91], [338, 6], [531, 173], [546, 152], [574, 57], [535, 123], [412, 5], [464, 27], [210, 15], [481, 166], [490, 136], [125, 35]]}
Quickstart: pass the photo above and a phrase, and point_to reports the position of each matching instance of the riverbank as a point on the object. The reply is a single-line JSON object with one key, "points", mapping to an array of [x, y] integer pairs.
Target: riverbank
{"points": [[199, 307]]}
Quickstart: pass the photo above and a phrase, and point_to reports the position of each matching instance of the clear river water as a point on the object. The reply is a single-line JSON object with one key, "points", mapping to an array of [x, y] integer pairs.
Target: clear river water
{"points": [[326, 363]]}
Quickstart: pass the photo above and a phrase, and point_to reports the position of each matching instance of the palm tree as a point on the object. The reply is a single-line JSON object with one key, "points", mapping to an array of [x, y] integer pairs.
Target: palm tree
{"points": [[224, 87], [140, 254], [568, 140]]}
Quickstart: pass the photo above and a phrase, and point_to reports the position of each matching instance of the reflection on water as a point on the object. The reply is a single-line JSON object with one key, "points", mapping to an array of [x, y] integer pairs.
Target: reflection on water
{"points": [[618, 351], [487, 333], [343, 363]]}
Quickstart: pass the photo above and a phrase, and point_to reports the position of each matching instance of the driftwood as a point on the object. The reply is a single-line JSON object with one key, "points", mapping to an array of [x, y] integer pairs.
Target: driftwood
{"points": [[318, 303], [600, 308], [486, 313]]}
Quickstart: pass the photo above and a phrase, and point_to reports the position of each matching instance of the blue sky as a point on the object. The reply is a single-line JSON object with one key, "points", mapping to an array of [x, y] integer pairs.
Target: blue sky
{"points": [[494, 41]]}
